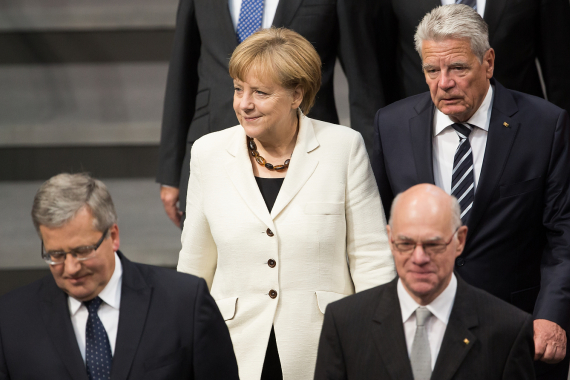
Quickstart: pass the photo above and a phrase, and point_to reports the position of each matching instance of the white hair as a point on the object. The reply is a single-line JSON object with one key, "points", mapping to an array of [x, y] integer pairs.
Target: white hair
{"points": [[60, 198], [454, 21]]}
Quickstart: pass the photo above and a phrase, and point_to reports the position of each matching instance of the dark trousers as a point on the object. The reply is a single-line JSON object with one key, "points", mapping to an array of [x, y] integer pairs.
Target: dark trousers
{"points": [[557, 371], [272, 364]]}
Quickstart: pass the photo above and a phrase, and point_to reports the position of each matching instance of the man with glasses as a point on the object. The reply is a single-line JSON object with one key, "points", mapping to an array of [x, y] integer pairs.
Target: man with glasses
{"points": [[99, 316], [427, 323]]}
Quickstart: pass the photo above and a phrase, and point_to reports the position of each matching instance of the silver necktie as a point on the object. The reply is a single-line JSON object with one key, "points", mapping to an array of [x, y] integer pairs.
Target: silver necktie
{"points": [[421, 355]]}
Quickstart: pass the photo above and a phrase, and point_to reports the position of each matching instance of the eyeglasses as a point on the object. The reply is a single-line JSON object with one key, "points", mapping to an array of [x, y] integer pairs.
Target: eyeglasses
{"points": [[407, 247], [79, 253]]}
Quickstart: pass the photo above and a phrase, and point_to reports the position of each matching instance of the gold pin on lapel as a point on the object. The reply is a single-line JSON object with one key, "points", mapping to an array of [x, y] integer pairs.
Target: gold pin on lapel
{"points": [[506, 124], [466, 341]]}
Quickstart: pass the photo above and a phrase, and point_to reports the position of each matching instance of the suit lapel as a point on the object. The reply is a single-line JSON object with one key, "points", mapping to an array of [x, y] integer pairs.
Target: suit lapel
{"points": [[388, 334], [285, 12], [135, 301], [421, 138], [499, 143], [238, 169], [223, 17], [494, 10], [458, 338], [302, 166], [55, 313]]}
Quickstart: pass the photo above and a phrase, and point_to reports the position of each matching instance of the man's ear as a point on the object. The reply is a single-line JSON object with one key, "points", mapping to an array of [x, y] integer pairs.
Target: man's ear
{"points": [[115, 239], [489, 62], [461, 237]]}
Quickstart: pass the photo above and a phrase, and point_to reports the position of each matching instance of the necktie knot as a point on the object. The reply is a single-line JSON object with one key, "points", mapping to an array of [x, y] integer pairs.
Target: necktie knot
{"points": [[422, 314], [93, 305], [462, 130]]}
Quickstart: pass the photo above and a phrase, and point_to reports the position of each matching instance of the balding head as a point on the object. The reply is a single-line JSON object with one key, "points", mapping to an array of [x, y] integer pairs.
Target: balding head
{"points": [[426, 236]]}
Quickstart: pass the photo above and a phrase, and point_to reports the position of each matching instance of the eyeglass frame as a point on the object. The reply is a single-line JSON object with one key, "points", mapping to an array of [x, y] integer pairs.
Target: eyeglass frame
{"points": [[422, 245], [71, 252]]}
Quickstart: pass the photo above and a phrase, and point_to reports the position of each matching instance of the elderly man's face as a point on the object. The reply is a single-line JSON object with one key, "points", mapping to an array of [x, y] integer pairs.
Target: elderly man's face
{"points": [[425, 274], [458, 82], [82, 280]]}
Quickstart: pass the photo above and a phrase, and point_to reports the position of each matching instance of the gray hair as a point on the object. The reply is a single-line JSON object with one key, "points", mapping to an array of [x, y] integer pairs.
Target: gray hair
{"points": [[61, 197], [455, 212], [454, 21]]}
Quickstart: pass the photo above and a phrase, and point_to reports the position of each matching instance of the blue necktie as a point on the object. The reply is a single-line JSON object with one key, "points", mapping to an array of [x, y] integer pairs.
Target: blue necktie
{"points": [[98, 355], [471, 3], [250, 16], [462, 177]]}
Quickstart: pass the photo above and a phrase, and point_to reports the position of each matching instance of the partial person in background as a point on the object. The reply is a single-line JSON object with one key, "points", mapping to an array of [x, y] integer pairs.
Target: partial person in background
{"points": [[99, 316], [519, 31], [283, 215], [505, 156], [428, 323], [199, 92]]}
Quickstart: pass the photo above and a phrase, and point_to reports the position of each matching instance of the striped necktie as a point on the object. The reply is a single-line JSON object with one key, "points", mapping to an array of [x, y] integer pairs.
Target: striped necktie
{"points": [[471, 3], [462, 177], [250, 17]]}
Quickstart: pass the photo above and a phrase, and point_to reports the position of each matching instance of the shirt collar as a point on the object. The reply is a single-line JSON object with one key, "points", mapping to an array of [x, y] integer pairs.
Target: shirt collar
{"points": [[111, 293], [481, 118], [440, 307]]}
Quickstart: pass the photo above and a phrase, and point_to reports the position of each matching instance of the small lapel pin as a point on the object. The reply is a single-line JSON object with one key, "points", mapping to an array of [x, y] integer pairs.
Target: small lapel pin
{"points": [[466, 341], [506, 124]]}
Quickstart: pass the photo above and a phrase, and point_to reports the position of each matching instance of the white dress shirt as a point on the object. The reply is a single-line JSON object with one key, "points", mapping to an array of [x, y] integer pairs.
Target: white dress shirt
{"points": [[446, 141], [480, 5], [269, 9], [108, 311], [436, 324]]}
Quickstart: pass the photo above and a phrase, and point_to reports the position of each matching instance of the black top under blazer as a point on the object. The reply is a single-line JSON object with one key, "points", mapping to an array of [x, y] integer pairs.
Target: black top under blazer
{"points": [[169, 328], [518, 243]]}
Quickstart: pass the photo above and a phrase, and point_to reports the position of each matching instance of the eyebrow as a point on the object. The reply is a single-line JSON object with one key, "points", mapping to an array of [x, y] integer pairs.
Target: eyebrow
{"points": [[436, 238]]}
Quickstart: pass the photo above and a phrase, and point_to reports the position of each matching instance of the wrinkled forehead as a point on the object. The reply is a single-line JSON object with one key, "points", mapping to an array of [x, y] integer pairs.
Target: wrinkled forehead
{"points": [[447, 50]]}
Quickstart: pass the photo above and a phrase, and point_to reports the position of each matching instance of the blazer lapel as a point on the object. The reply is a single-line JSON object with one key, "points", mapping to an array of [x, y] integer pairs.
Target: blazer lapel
{"points": [[421, 138], [223, 17], [388, 334], [135, 301], [302, 165], [238, 169], [55, 313], [458, 338], [285, 12], [499, 143]]}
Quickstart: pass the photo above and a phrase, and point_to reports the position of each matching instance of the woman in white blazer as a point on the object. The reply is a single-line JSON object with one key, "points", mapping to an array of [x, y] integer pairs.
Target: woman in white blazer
{"points": [[283, 214]]}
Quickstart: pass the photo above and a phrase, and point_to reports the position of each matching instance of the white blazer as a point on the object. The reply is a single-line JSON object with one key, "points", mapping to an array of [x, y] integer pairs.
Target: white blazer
{"points": [[326, 233]]}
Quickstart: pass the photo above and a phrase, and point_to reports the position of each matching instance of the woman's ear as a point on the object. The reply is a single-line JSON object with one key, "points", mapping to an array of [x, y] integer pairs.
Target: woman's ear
{"points": [[298, 94]]}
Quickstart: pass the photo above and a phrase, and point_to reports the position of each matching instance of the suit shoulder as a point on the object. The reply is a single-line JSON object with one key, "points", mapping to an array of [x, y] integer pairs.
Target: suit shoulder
{"points": [[401, 108], [168, 278], [334, 134], [360, 302], [215, 140], [494, 307], [24, 296], [534, 103]]}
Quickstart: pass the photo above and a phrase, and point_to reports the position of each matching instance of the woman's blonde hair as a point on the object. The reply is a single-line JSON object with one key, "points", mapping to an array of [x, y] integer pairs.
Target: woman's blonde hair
{"points": [[283, 56]]}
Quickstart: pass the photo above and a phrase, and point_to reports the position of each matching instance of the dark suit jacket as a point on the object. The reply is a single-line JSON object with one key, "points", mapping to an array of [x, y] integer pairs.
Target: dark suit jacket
{"points": [[519, 31], [199, 91], [363, 338], [519, 229], [169, 328]]}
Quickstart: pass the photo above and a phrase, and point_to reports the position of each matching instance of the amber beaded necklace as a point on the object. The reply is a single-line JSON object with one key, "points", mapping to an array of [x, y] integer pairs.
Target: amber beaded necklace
{"points": [[260, 160]]}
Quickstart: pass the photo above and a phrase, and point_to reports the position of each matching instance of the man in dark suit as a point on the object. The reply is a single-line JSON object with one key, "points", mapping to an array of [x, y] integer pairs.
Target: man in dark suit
{"points": [[199, 91], [427, 323], [510, 173], [99, 316], [521, 32]]}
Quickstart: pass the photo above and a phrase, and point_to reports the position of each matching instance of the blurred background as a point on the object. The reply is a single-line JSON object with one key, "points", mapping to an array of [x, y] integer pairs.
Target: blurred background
{"points": [[81, 89]]}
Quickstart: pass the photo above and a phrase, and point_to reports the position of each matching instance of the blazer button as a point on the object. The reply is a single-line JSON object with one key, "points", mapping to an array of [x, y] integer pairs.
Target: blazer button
{"points": [[271, 263], [460, 261], [272, 293], [269, 233]]}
